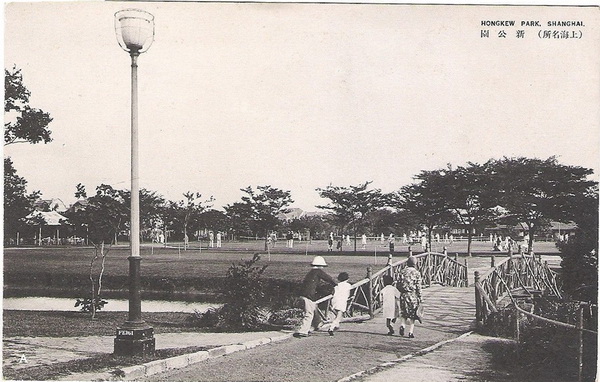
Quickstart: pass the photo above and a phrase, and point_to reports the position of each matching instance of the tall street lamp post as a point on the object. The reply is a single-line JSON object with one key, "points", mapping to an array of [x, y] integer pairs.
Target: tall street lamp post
{"points": [[135, 34]]}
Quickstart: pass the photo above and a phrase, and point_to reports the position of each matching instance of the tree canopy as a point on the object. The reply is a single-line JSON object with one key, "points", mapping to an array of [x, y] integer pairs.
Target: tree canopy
{"points": [[30, 124], [259, 209], [104, 216], [427, 200], [17, 202], [350, 205], [535, 191]]}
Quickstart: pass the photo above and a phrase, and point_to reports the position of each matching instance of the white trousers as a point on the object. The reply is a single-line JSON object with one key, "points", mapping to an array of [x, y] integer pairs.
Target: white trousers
{"points": [[309, 314]]}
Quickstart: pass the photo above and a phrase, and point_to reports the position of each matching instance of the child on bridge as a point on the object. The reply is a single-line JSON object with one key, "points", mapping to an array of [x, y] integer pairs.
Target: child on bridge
{"points": [[339, 302], [390, 296]]}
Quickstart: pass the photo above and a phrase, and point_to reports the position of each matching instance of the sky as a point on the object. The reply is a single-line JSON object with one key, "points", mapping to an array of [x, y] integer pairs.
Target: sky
{"points": [[300, 96]]}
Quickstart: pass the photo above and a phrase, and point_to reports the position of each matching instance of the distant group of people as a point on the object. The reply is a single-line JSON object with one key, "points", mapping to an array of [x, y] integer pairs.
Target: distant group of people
{"points": [[211, 239], [401, 299], [363, 241], [290, 236], [507, 243]]}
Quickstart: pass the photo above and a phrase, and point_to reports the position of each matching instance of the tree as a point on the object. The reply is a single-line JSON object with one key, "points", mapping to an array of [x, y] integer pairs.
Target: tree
{"points": [[260, 208], [384, 220], [472, 197], [30, 124], [214, 220], [151, 207], [580, 253], [104, 216], [239, 215], [535, 191], [184, 215], [17, 202], [315, 224], [350, 205], [426, 200]]}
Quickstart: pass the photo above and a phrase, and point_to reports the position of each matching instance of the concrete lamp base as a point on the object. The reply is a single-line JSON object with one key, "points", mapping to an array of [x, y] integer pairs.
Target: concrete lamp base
{"points": [[134, 341]]}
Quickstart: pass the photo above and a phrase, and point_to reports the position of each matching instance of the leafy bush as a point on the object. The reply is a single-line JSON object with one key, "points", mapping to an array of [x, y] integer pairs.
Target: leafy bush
{"points": [[243, 292], [286, 317], [208, 318], [87, 304], [547, 348], [580, 253]]}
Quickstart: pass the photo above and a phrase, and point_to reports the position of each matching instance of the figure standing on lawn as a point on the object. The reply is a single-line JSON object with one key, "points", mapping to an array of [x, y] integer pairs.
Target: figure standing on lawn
{"points": [[308, 295], [409, 285], [339, 302]]}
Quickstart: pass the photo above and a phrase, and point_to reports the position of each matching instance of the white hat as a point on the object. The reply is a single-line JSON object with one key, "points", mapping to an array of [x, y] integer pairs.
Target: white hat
{"points": [[319, 261]]}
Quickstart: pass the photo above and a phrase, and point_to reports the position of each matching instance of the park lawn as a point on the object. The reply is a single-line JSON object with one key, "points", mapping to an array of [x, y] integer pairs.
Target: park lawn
{"points": [[27, 323], [182, 275], [175, 274]]}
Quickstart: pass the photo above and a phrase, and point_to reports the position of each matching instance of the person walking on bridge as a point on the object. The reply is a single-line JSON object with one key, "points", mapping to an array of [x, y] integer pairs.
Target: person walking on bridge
{"points": [[409, 285], [308, 294], [339, 302]]}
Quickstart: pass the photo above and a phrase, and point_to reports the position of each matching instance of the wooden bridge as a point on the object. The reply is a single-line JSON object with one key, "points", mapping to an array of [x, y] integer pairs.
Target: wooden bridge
{"points": [[365, 296], [517, 278], [513, 277], [453, 307]]}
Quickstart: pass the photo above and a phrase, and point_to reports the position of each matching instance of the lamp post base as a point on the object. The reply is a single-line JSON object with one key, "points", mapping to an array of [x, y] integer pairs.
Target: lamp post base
{"points": [[132, 340]]}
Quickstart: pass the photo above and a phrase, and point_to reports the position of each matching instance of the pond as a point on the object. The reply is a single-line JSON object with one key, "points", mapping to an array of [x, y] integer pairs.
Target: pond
{"points": [[113, 305]]}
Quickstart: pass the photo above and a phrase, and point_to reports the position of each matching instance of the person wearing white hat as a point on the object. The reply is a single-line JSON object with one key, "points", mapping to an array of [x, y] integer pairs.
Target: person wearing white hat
{"points": [[309, 293]]}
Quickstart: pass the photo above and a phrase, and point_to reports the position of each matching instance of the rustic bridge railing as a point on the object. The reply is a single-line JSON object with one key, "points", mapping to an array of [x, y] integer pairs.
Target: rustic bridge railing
{"points": [[525, 274], [520, 272], [365, 296]]}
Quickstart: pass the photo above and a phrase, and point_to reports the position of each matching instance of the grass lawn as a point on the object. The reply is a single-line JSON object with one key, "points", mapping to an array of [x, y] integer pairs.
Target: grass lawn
{"points": [[95, 364], [196, 274], [25, 323]]}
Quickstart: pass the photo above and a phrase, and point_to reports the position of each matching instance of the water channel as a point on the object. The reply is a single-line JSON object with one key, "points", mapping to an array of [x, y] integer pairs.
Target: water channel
{"points": [[113, 305]]}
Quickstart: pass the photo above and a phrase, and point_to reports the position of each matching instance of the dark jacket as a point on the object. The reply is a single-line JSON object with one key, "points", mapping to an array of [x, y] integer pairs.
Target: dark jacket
{"points": [[311, 281]]}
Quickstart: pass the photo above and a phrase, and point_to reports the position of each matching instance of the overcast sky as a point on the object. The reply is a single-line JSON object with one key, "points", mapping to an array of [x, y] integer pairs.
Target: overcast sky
{"points": [[299, 96]]}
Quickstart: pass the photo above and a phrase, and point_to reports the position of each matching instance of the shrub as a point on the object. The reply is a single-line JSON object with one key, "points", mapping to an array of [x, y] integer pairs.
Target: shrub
{"points": [[243, 292], [544, 347], [244, 296], [87, 304], [286, 317], [208, 318]]}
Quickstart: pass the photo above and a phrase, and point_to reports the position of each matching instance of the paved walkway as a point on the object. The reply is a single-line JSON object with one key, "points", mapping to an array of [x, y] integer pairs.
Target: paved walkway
{"points": [[356, 347], [465, 359], [449, 313], [25, 352]]}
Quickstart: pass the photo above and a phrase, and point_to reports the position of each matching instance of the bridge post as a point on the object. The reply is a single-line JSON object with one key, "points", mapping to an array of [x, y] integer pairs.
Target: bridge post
{"points": [[429, 272], [580, 347], [477, 301], [445, 251], [389, 263], [409, 250], [456, 257], [370, 294], [493, 264]]}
